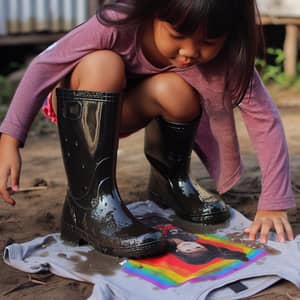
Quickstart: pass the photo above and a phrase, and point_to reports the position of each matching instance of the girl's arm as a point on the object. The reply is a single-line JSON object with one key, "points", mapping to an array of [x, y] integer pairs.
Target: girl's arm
{"points": [[265, 129], [47, 69]]}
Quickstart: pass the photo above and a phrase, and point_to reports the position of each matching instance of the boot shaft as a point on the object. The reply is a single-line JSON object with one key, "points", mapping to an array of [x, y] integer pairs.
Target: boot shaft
{"points": [[88, 124], [168, 145]]}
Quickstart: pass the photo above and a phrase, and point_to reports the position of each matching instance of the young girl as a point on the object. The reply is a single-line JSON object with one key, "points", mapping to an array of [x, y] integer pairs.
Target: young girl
{"points": [[178, 68]]}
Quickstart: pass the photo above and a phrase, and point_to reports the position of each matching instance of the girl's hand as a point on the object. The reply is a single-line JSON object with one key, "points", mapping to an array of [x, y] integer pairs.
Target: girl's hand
{"points": [[10, 166], [265, 220]]}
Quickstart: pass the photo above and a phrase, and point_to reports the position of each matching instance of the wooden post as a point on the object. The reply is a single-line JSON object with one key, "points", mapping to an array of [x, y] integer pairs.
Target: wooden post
{"points": [[93, 5], [291, 49]]}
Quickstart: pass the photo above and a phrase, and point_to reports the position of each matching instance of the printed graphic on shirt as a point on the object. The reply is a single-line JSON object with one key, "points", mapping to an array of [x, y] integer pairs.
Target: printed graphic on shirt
{"points": [[192, 258]]}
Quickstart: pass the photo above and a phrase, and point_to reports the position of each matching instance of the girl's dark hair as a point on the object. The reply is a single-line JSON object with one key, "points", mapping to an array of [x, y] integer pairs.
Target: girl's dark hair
{"points": [[236, 18]]}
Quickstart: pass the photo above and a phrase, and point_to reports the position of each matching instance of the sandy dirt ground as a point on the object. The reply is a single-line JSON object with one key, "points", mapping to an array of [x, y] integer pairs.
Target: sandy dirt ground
{"points": [[38, 212]]}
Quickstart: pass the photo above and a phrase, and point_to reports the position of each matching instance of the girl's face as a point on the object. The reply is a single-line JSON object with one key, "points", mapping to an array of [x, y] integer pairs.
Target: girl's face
{"points": [[183, 51], [190, 247]]}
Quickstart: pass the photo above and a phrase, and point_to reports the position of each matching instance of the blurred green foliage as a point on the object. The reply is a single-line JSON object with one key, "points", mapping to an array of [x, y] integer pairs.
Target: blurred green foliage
{"points": [[272, 69], [6, 90]]}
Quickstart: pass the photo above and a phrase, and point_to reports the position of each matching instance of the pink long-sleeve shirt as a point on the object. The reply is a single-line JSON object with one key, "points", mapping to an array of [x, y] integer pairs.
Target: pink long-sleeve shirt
{"points": [[216, 141]]}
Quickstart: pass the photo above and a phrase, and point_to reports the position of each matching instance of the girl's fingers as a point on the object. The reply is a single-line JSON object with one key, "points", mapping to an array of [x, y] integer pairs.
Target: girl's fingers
{"points": [[288, 229], [265, 229], [279, 228], [10, 190], [5, 194], [253, 229], [15, 177], [263, 226]]}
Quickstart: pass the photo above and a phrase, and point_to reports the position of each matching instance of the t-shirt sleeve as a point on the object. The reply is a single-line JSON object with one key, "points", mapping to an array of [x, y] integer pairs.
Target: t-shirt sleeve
{"points": [[50, 67], [265, 129]]}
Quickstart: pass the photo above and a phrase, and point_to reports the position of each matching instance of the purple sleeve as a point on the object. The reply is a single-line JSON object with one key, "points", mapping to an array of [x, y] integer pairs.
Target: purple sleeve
{"points": [[48, 68], [265, 129]]}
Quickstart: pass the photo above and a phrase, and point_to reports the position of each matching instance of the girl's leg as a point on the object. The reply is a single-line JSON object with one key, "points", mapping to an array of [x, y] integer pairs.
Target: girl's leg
{"points": [[166, 95], [160, 95], [101, 70]]}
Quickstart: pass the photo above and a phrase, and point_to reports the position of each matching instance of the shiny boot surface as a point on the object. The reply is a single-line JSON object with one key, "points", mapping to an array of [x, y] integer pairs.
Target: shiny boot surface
{"points": [[93, 212], [168, 147]]}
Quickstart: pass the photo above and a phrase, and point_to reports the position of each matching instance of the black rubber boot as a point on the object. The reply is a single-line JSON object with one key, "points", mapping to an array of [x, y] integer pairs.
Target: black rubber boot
{"points": [[168, 147], [88, 124]]}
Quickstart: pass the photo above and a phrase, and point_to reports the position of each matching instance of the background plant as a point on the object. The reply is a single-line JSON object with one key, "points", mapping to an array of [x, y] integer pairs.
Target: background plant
{"points": [[272, 69], [6, 92]]}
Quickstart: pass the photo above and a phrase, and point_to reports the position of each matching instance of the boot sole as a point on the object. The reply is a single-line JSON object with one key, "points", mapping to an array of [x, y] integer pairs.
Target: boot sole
{"points": [[75, 235], [161, 194], [203, 219]]}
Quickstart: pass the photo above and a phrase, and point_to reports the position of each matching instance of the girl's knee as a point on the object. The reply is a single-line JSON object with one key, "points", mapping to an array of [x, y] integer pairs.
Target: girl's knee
{"points": [[178, 99], [101, 70]]}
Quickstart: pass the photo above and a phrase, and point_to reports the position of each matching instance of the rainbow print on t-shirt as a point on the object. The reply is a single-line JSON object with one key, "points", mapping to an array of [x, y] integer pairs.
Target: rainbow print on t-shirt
{"points": [[169, 270]]}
